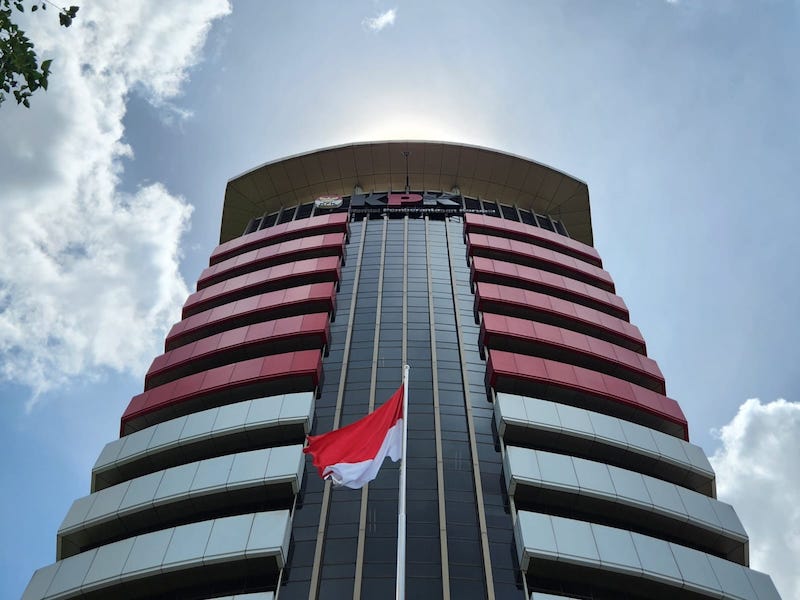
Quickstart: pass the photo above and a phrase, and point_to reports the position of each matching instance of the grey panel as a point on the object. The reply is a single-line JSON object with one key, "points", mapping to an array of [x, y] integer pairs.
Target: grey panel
{"points": [[574, 540], [176, 481], [657, 560], [147, 553], [264, 410], [732, 579], [666, 498], [141, 492], [199, 425], [166, 435], [729, 519], [284, 461], [187, 546], [297, 406], [228, 538], [206, 482], [107, 502], [109, 453], [699, 507], [534, 537], [230, 417], [210, 473], [77, 512], [513, 410], [248, 468], [593, 478], [41, 580], [208, 427], [70, 575], [698, 458], [607, 430], [640, 438], [630, 487], [607, 483], [762, 584], [602, 548], [616, 550], [269, 530], [671, 447], [520, 464], [136, 443], [522, 410], [636, 447], [148, 556], [556, 471], [107, 566], [575, 421], [696, 570]]}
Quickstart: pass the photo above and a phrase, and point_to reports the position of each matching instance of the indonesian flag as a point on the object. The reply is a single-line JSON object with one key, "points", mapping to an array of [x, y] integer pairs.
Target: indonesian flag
{"points": [[351, 456]]}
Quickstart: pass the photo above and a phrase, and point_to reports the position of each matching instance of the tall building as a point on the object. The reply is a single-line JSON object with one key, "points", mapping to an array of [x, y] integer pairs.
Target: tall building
{"points": [[545, 459]]}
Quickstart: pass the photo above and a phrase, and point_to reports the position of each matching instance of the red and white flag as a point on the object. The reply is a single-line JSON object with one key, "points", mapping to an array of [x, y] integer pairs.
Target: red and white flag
{"points": [[351, 456]]}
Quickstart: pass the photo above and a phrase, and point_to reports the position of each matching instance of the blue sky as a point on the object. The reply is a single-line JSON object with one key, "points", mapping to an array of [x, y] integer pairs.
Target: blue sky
{"points": [[680, 115]]}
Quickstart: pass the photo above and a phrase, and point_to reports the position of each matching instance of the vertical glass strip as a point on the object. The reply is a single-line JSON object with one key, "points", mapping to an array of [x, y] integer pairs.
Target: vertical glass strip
{"points": [[362, 520], [505, 575], [437, 421], [327, 414], [380, 536], [467, 569], [424, 556]]}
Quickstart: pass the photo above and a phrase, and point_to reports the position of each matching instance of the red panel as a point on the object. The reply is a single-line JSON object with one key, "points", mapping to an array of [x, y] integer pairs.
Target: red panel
{"points": [[531, 255], [317, 297], [490, 297], [504, 273], [293, 371], [517, 373], [336, 222], [312, 270], [329, 244], [548, 341], [531, 234], [301, 332]]}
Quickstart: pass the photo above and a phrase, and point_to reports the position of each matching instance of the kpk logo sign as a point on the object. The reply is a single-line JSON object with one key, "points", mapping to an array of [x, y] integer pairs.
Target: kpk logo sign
{"points": [[328, 202], [399, 202]]}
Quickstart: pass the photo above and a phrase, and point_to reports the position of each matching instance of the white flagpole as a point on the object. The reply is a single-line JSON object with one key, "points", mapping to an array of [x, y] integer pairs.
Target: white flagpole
{"points": [[400, 590]]}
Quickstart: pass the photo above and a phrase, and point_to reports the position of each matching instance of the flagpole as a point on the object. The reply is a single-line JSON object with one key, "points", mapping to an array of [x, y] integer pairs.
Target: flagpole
{"points": [[400, 590]]}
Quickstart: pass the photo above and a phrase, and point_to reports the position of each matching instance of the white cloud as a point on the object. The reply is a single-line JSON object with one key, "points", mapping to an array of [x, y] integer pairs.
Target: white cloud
{"points": [[382, 21], [89, 274], [757, 471]]}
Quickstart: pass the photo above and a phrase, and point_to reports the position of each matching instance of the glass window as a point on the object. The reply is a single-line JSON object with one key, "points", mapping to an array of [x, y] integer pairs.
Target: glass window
{"points": [[509, 212], [304, 211], [527, 217], [269, 220], [544, 222]]}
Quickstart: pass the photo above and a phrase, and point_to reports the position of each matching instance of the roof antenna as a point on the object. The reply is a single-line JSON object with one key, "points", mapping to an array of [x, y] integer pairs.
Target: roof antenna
{"points": [[408, 186]]}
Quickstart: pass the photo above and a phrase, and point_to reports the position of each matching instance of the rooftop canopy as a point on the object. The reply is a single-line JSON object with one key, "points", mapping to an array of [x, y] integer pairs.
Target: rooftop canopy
{"points": [[432, 166]]}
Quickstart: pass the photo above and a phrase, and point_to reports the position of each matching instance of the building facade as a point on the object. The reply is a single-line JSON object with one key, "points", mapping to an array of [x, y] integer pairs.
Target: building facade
{"points": [[545, 459]]}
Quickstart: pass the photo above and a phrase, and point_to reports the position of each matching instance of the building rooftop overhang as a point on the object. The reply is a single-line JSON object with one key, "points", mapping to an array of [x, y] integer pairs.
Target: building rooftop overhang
{"points": [[432, 166]]}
